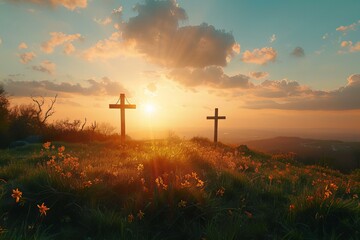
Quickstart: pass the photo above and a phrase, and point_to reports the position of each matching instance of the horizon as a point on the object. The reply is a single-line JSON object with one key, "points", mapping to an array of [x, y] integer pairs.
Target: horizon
{"points": [[270, 68]]}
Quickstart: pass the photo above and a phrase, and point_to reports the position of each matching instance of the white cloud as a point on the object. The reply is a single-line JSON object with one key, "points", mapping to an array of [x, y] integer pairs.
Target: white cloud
{"points": [[59, 38], [22, 46], [350, 46], [272, 38], [260, 56], [45, 67], [90, 87], [258, 75], [212, 76], [27, 57], [105, 21], [69, 4], [111, 47], [346, 29]]}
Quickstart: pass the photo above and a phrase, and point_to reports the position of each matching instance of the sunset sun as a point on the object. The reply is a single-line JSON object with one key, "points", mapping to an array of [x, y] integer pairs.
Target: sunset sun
{"points": [[177, 119], [149, 108]]}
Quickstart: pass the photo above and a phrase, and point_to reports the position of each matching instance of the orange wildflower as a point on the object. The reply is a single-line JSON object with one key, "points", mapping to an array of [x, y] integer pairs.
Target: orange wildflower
{"points": [[42, 209], [47, 145], [16, 194], [61, 149], [140, 214], [130, 218], [220, 192], [309, 198], [248, 214], [291, 207]]}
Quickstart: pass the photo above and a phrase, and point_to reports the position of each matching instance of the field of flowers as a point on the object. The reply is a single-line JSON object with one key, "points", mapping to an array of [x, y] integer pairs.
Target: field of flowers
{"points": [[171, 189]]}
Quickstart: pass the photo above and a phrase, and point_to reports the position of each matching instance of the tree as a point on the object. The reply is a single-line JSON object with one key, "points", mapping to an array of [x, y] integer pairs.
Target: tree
{"points": [[4, 117], [42, 115]]}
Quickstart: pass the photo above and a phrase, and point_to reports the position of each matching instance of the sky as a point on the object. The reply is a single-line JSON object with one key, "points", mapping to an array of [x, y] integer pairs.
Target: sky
{"points": [[273, 65]]}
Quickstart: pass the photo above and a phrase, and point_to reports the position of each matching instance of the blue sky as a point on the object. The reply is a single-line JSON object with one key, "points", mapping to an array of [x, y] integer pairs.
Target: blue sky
{"points": [[294, 56]]}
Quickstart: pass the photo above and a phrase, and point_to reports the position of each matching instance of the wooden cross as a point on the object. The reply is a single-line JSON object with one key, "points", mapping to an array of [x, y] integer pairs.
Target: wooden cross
{"points": [[122, 107], [216, 118]]}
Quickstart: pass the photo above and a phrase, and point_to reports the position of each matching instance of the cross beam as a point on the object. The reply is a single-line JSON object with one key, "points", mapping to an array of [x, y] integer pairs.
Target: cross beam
{"points": [[216, 118], [122, 106]]}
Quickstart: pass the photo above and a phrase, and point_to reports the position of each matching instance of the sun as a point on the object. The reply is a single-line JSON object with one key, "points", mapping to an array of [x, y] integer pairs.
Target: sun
{"points": [[149, 108]]}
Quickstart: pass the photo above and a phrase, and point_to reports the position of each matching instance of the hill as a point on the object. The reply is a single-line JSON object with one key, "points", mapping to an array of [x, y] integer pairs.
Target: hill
{"points": [[171, 189], [344, 156]]}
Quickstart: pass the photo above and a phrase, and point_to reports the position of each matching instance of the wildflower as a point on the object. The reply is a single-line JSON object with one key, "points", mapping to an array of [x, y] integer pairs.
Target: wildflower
{"points": [[130, 218], [61, 149], [16, 195], [220, 192], [182, 204], [327, 194], [42, 209], [140, 214], [47, 145], [248, 214], [140, 167], [160, 183], [51, 163], [200, 183], [87, 183], [333, 186], [185, 184], [291, 207], [309, 198]]}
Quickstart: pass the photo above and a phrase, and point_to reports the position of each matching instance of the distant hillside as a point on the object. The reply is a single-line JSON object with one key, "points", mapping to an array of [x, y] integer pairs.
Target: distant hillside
{"points": [[344, 156]]}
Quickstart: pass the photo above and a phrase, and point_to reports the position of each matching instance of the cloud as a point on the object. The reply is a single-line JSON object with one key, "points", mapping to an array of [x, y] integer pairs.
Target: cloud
{"points": [[58, 38], [69, 4], [260, 56], [22, 46], [111, 47], [290, 95], [151, 87], [90, 87], [345, 29], [118, 10], [45, 67], [27, 57], [156, 33], [105, 21], [298, 52], [69, 48], [350, 47], [212, 76], [258, 75], [272, 38]]}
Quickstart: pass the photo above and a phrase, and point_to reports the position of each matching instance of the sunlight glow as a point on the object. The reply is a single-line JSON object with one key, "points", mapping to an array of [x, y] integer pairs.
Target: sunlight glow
{"points": [[149, 108]]}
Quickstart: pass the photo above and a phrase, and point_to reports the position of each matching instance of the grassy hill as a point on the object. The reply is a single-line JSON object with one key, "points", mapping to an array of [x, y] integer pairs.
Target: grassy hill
{"points": [[171, 189], [344, 156]]}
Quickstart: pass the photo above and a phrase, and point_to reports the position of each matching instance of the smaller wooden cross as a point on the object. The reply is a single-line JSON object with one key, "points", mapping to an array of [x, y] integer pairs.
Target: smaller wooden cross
{"points": [[216, 118], [122, 107]]}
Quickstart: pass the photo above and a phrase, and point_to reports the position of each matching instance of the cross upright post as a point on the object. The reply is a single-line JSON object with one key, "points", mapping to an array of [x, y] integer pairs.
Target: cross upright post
{"points": [[215, 118], [122, 107]]}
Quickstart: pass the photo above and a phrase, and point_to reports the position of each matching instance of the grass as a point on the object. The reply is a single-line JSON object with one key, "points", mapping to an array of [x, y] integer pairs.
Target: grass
{"points": [[172, 189]]}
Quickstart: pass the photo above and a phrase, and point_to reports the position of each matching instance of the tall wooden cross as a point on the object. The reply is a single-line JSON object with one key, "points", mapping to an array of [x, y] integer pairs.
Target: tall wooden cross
{"points": [[216, 118], [122, 107]]}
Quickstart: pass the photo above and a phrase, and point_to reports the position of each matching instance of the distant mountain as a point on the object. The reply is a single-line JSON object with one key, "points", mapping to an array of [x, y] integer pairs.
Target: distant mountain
{"points": [[344, 156]]}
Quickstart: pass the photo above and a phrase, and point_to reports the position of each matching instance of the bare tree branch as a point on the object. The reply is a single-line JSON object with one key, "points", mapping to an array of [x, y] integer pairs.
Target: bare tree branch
{"points": [[50, 110], [82, 127], [39, 104], [93, 126]]}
